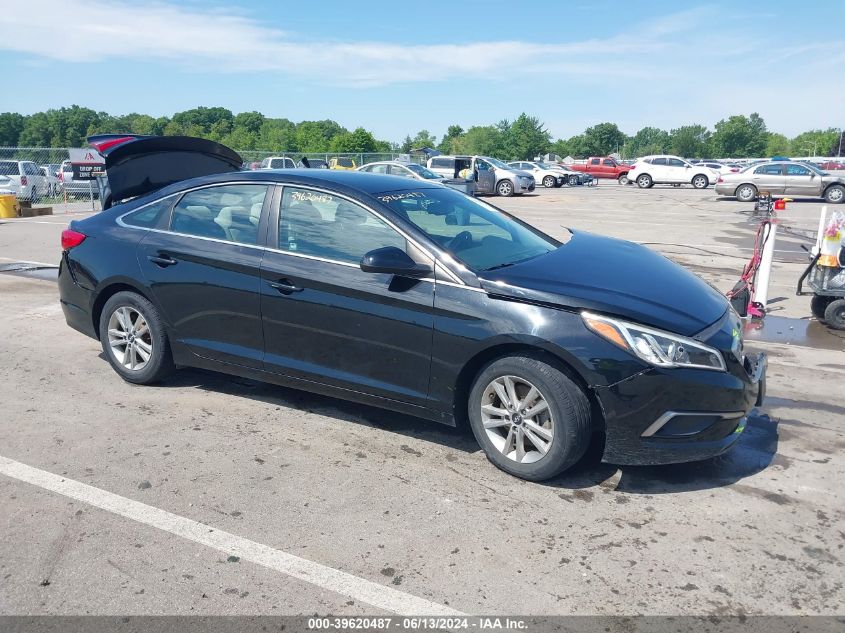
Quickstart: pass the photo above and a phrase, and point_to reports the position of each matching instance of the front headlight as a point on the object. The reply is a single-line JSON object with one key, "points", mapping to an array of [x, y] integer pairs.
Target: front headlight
{"points": [[656, 347]]}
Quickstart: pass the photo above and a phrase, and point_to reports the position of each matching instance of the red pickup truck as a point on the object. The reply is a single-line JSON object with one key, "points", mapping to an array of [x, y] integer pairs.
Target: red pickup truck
{"points": [[604, 168]]}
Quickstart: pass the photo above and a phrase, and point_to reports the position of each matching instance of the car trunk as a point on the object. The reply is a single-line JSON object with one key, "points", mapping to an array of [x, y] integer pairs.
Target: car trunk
{"points": [[137, 165]]}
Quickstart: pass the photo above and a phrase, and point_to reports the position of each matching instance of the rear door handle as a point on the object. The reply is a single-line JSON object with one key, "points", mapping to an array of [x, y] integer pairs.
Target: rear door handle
{"points": [[285, 287], [162, 260]]}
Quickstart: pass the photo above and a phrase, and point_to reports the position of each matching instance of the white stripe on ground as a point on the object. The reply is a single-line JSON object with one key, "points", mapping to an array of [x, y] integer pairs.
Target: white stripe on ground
{"points": [[23, 261], [359, 589]]}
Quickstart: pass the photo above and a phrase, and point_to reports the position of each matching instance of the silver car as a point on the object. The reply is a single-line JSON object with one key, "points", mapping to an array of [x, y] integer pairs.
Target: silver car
{"points": [[406, 170], [782, 178]]}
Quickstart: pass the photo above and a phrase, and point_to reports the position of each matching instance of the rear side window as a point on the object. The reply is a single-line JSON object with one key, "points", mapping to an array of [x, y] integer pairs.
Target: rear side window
{"points": [[227, 212], [658, 161], [149, 217], [769, 170], [441, 162], [9, 168], [595, 161]]}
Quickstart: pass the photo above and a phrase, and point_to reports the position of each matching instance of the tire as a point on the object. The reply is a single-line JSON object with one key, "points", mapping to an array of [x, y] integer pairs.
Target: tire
{"points": [[549, 182], [544, 445], [118, 320], [835, 194], [644, 181], [504, 188], [818, 304], [573, 181], [746, 193], [700, 181], [33, 195], [623, 179], [834, 314]]}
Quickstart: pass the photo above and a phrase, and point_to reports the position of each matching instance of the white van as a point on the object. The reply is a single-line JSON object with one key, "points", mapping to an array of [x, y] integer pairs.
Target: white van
{"points": [[491, 175]]}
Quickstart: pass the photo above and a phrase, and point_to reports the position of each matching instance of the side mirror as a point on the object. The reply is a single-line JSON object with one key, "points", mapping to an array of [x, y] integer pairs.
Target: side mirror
{"points": [[393, 261]]}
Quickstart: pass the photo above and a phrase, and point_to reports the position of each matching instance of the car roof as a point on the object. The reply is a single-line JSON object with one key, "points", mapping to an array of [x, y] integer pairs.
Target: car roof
{"points": [[341, 180]]}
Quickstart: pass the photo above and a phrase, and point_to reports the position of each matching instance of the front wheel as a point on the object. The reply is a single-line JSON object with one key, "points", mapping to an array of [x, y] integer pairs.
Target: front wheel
{"points": [[530, 419], [549, 182], [746, 193], [834, 314], [700, 181], [505, 188], [645, 182], [134, 340], [835, 194], [623, 179]]}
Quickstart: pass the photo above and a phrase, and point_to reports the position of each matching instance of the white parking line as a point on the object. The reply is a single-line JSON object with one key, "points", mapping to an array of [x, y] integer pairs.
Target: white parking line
{"points": [[360, 589], [21, 261]]}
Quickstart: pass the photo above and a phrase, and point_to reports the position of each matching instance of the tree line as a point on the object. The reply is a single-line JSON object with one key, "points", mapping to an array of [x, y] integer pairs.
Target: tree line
{"points": [[523, 138]]}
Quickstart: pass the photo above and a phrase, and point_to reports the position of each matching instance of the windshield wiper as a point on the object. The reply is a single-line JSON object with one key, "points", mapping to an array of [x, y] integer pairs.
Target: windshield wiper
{"points": [[497, 266]]}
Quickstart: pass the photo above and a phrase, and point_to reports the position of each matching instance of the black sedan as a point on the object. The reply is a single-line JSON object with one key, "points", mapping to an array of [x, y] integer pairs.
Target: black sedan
{"points": [[410, 296]]}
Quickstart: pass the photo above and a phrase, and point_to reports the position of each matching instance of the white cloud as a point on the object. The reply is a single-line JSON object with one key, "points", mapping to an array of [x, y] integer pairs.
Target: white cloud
{"points": [[224, 41]]}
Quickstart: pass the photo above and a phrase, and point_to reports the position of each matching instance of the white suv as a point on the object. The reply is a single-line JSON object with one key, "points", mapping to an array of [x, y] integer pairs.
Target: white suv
{"points": [[25, 179], [674, 170], [277, 162]]}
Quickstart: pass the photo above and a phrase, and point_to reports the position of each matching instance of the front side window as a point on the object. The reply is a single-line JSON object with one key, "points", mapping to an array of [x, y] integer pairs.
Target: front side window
{"points": [[399, 170], [378, 169], [674, 162], [609, 163], [473, 232], [797, 170], [330, 227], [225, 212]]}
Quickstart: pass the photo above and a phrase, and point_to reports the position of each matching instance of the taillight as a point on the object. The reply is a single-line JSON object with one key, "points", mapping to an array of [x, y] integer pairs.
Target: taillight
{"points": [[734, 170], [632, 168], [23, 181], [71, 238], [720, 179]]}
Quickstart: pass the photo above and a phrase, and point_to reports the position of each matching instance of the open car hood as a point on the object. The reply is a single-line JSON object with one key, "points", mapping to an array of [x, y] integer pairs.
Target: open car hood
{"points": [[137, 165]]}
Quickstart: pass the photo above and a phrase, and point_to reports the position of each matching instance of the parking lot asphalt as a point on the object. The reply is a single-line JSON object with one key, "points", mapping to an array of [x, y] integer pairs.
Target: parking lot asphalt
{"points": [[217, 495]]}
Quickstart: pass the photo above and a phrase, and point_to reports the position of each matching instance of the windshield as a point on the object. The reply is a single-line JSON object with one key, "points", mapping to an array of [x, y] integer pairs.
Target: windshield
{"points": [[422, 171], [497, 163], [473, 232]]}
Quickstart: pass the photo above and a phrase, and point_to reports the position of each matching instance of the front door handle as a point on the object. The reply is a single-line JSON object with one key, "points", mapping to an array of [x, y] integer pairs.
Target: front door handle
{"points": [[162, 260], [285, 287]]}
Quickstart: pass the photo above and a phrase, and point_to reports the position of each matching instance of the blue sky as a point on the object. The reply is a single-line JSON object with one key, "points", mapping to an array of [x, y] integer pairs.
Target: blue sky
{"points": [[397, 67]]}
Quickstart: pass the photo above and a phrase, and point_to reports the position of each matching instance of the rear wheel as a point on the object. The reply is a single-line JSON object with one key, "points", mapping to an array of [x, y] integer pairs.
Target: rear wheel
{"points": [[700, 181], [644, 181], [818, 304], [835, 194], [530, 419], [573, 181], [505, 188], [834, 314], [746, 193], [549, 182], [134, 340]]}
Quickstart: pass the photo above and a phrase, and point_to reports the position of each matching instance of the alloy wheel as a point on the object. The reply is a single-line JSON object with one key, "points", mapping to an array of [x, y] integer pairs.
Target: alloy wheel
{"points": [[505, 188], [130, 339], [517, 419]]}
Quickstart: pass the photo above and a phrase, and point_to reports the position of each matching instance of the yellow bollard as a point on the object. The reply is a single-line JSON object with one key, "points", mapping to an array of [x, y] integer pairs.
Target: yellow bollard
{"points": [[8, 206]]}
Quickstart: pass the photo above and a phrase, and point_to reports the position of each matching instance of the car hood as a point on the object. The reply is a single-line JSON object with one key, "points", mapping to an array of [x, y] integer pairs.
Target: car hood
{"points": [[137, 165], [613, 277]]}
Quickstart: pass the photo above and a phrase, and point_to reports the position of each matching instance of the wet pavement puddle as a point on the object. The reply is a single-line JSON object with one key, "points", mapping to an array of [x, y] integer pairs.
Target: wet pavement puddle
{"points": [[787, 331]]}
